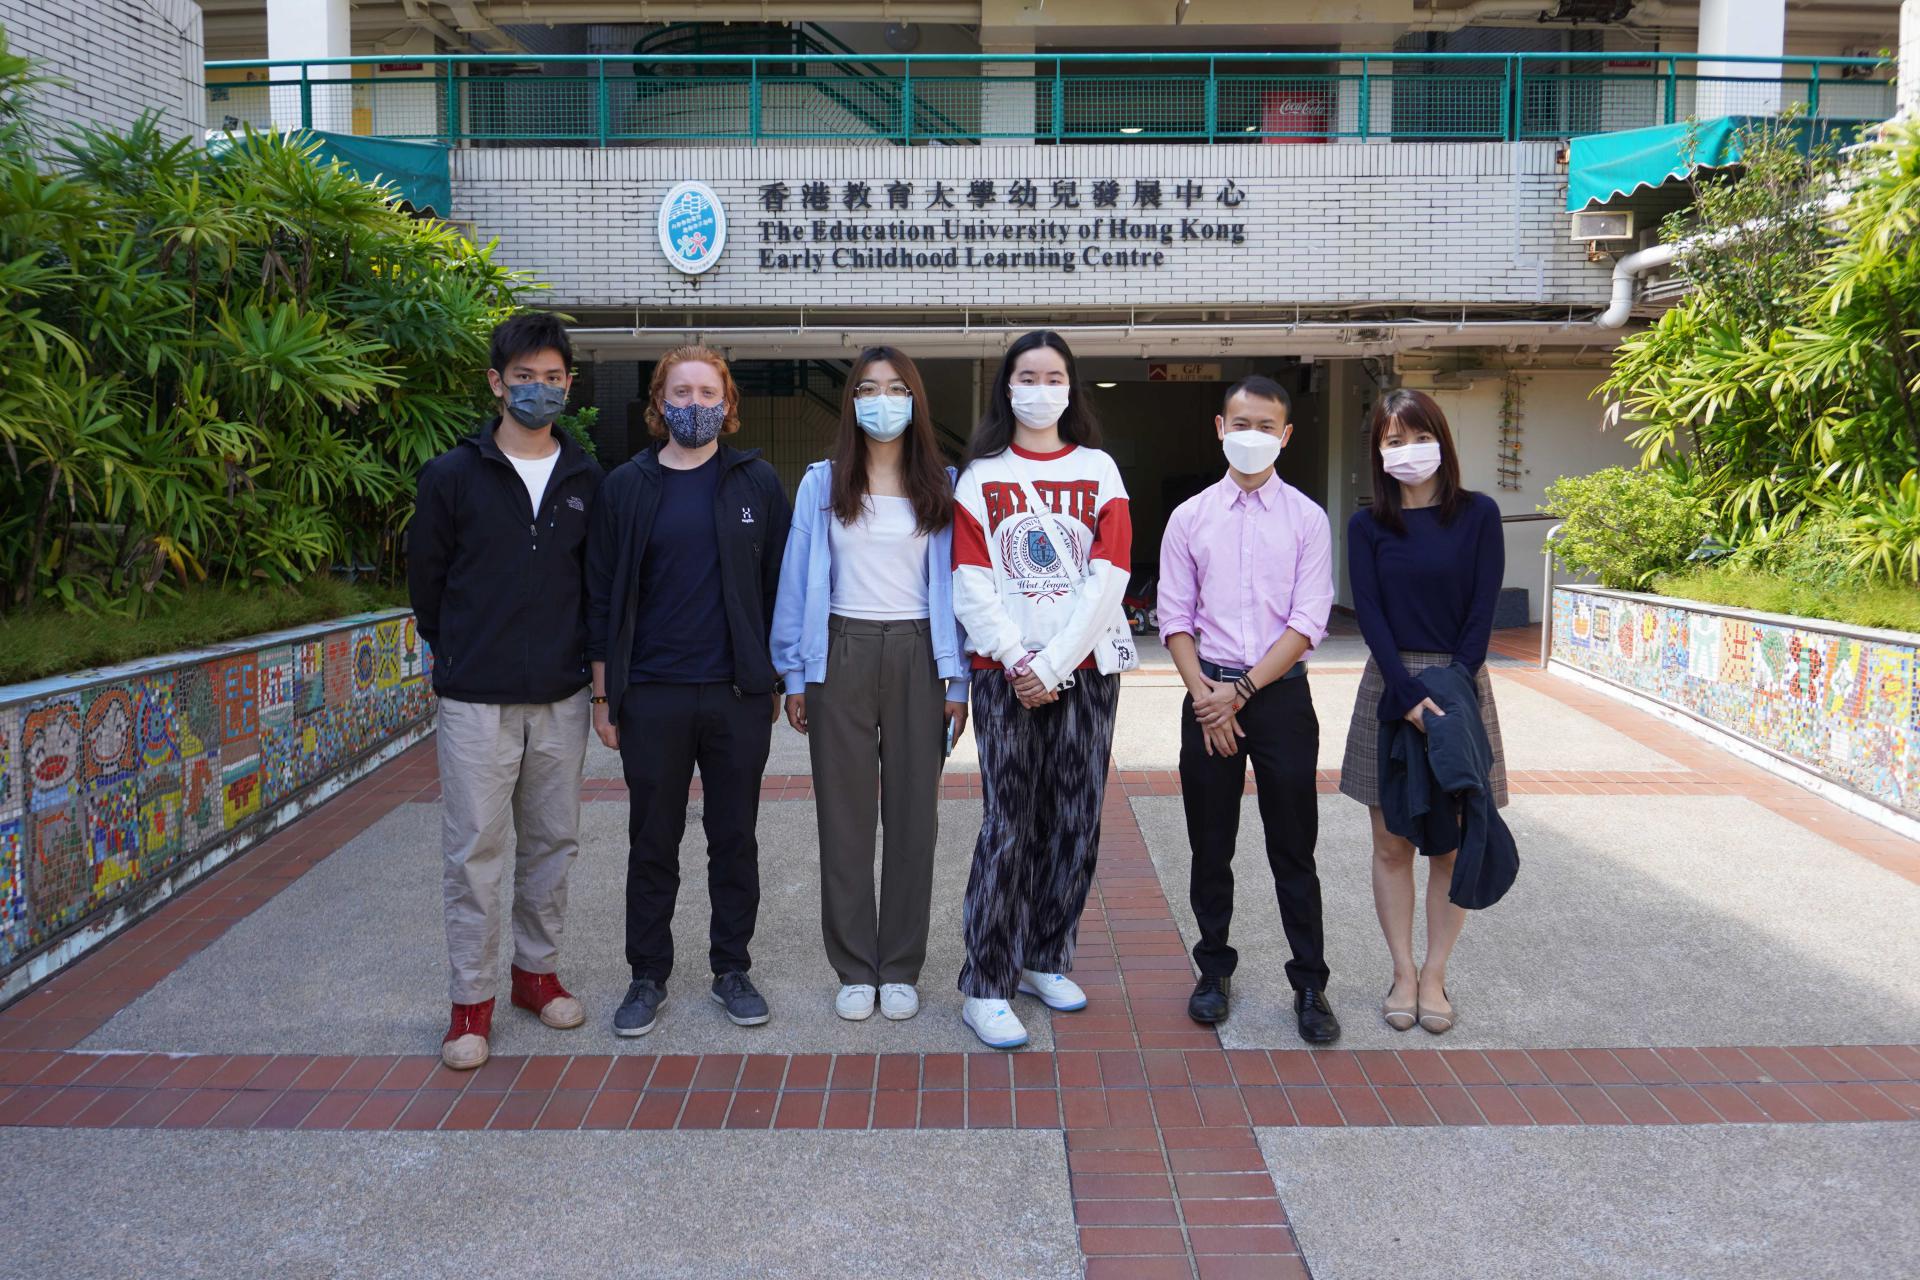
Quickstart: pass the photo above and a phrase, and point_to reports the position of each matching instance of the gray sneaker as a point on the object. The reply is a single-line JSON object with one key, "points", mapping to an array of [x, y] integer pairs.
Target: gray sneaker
{"points": [[735, 993], [641, 1009]]}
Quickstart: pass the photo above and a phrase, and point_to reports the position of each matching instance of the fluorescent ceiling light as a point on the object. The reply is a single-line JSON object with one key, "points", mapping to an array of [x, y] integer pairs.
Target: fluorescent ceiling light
{"points": [[1106, 385]]}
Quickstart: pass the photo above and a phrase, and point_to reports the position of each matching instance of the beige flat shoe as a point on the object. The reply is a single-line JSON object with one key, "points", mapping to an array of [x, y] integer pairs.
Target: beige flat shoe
{"points": [[1438, 1023], [1398, 1017]]}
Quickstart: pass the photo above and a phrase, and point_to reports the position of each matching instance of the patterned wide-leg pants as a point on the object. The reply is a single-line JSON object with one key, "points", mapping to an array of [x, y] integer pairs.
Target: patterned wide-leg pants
{"points": [[1044, 774]]}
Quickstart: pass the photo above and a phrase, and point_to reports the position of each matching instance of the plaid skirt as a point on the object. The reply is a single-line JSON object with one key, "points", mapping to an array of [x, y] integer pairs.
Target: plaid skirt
{"points": [[1360, 770]]}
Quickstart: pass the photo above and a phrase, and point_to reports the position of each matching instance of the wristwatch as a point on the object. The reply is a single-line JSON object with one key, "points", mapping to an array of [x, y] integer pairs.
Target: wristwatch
{"points": [[597, 699]]}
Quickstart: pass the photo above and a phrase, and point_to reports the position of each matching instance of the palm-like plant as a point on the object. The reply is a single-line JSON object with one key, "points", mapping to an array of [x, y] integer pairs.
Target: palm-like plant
{"points": [[227, 362]]}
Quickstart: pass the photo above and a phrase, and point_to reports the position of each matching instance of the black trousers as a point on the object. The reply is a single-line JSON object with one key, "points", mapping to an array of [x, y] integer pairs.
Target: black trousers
{"points": [[1283, 742], [665, 730]]}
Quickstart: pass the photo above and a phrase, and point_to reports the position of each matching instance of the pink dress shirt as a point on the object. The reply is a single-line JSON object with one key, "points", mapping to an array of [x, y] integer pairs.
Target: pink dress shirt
{"points": [[1238, 569]]}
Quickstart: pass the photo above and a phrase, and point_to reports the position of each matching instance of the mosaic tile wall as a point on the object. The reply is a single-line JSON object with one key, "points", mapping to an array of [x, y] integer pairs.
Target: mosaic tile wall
{"points": [[1845, 706], [105, 787]]}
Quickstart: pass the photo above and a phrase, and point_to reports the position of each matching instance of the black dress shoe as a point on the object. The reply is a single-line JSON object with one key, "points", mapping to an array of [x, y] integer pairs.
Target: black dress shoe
{"points": [[1317, 1023], [1208, 1003]]}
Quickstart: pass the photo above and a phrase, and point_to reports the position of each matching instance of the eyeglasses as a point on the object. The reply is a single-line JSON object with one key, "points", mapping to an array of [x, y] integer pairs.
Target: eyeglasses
{"points": [[868, 390]]}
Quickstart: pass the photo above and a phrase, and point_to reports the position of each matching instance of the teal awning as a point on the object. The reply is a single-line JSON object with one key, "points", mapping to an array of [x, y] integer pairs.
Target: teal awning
{"points": [[1604, 165], [418, 170]]}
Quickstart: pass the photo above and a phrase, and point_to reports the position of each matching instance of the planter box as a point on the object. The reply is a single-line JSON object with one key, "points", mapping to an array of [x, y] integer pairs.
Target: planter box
{"points": [[120, 786], [1839, 702]]}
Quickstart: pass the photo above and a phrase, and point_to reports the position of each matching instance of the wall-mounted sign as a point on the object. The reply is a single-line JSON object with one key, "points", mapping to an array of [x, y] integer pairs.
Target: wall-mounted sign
{"points": [[989, 224], [1187, 371], [693, 227]]}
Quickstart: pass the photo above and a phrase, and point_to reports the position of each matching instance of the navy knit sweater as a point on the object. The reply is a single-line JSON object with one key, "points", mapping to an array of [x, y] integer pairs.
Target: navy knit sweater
{"points": [[1432, 588]]}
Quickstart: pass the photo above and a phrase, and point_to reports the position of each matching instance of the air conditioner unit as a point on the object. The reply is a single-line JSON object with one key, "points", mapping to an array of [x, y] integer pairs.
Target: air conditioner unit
{"points": [[1599, 225]]}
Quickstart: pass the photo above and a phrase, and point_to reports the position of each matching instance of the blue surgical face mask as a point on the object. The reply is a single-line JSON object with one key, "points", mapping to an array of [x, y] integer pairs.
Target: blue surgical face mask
{"points": [[694, 426], [883, 417], [536, 404]]}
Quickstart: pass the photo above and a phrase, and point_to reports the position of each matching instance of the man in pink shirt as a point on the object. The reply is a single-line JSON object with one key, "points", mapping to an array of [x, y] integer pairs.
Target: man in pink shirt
{"points": [[1246, 583]]}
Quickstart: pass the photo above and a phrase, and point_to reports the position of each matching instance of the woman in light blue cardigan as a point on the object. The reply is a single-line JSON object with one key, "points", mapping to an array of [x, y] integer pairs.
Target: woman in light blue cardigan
{"points": [[876, 674]]}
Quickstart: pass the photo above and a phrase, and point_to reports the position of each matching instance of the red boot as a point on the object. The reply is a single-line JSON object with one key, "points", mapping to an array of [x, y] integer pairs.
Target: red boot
{"points": [[542, 993], [465, 1045]]}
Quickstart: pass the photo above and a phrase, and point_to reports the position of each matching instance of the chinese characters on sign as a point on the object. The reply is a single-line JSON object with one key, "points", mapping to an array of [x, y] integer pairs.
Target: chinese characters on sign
{"points": [[993, 224]]}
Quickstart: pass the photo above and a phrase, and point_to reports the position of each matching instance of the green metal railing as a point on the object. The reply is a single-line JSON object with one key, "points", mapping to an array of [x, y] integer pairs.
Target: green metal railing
{"points": [[921, 99]]}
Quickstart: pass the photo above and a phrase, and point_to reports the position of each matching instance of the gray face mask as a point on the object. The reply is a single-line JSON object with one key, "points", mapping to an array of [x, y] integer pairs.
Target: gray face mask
{"points": [[536, 404]]}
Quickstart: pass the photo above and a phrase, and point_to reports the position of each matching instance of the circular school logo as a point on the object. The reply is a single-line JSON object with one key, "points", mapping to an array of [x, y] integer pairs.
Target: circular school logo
{"points": [[693, 227]]}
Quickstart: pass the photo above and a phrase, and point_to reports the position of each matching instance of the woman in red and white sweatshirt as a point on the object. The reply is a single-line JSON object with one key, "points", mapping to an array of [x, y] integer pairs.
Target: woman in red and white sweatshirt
{"points": [[1042, 708]]}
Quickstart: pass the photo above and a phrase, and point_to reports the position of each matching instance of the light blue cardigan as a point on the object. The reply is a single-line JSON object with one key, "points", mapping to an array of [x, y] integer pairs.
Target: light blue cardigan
{"points": [[799, 638]]}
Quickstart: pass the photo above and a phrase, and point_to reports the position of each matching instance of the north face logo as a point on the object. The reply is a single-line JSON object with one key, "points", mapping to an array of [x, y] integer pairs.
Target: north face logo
{"points": [[576, 504]]}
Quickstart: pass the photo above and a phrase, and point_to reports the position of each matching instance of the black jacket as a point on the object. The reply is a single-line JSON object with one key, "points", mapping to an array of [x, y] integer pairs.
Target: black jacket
{"points": [[497, 587], [752, 518], [1434, 789]]}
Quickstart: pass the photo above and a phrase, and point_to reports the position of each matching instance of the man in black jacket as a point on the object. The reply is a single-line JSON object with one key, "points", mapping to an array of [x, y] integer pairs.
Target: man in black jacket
{"points": [[494, 566], [683, 562]]}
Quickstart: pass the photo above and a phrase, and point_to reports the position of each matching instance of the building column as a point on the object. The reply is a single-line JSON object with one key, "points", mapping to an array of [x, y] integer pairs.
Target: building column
{"points": [[1746, 28], [1007, 107], [311, 29]]}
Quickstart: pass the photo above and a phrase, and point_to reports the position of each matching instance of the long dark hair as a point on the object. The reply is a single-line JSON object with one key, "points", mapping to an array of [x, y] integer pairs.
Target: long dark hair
{"points": [[922, 468], [994, 433], [1414, 411]]}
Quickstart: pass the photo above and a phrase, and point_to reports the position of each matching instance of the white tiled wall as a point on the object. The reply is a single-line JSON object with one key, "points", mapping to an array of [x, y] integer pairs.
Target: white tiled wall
{"points": [[1392, 222]]}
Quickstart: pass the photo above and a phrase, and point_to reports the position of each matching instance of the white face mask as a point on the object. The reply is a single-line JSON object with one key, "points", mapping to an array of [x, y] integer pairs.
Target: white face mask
{"points": [[1038, 407], [1250, 452], [1412, 463]]}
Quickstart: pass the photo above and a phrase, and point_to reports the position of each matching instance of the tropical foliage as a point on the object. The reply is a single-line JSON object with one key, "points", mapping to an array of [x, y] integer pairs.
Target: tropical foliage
{"points": [[222, 363], [1624, 526], [1784, 393]]}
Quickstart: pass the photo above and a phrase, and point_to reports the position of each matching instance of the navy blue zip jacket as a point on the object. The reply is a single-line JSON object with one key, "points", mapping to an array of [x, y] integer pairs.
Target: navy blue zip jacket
{"points": [[1434, 789], [751, 518], [496, 586]]}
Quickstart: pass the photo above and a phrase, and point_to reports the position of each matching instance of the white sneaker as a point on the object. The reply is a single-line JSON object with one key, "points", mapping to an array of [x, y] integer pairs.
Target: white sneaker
{"points": [[899, 1001], [855, 1002], [994, 1022], [1054, 990]]}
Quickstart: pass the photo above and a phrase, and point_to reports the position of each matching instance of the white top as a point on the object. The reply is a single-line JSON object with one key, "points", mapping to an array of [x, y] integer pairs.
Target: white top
{"points": [[1010, 592], [534, 473], [879, 562]]}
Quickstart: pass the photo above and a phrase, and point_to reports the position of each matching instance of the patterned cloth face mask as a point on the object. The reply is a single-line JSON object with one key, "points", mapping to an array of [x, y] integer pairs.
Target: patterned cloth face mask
{"points": [[694, 426]]}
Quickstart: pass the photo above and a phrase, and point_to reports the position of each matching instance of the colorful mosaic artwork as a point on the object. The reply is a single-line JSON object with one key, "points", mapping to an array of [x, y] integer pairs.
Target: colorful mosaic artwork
{"points": [[157, 724], [50, 750], [12, 785], [107, 787], [1845, 706], [160, 820], [59, 879], [111, 753], [237, 689], [113, 838], [13, 883]]}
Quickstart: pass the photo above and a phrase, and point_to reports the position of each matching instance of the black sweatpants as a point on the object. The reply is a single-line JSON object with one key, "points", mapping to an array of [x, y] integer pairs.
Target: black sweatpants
{"points": [[665, 730], [1043, 774], [1283, 742]]}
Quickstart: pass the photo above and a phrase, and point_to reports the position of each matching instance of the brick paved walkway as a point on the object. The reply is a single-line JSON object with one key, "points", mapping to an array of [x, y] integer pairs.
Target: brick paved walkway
{"points": [[1158, 1120]]}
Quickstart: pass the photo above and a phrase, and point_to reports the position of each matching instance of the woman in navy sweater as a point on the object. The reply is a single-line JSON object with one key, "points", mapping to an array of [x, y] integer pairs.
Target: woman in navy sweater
{"points": [[1426, 561]]}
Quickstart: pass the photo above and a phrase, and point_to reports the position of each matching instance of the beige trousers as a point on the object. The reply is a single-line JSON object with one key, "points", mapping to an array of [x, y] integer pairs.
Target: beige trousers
{"points": [[509, 791]]}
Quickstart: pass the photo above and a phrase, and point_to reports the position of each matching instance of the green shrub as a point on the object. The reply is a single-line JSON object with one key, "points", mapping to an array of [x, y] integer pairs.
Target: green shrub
{"points": [[1786, 387], [47, 643], [580, 424], [1885, 605], [1624, 526], [221, 363]]}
